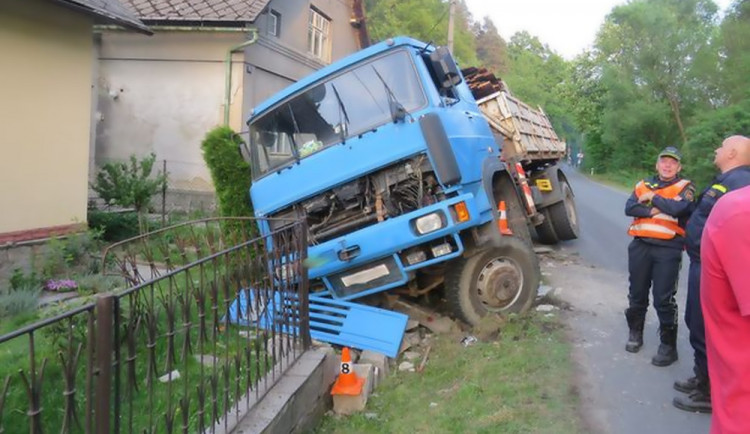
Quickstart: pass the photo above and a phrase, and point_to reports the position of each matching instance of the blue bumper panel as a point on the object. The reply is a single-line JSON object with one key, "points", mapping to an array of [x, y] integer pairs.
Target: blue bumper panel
{"points": [[334, 321]]}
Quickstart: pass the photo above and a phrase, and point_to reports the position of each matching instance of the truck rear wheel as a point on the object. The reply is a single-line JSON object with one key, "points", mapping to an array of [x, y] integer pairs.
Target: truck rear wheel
{"points": [[501, 279], [545, 232], [564, 215]]}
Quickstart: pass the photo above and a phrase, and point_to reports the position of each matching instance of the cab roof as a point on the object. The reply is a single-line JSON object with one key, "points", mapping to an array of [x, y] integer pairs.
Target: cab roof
{"points": [[324, 72]]}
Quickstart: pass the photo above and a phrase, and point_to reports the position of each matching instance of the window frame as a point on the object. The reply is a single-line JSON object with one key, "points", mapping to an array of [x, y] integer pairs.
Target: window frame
{"points": [[274, 23], [319, 30]]}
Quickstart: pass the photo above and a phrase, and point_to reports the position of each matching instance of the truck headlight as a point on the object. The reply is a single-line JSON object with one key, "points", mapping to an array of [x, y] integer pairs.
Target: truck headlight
{"points": [[429, 223]]}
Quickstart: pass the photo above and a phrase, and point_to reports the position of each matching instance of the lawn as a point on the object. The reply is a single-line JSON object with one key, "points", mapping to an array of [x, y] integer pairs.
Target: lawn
{"points": [[519, 381]]}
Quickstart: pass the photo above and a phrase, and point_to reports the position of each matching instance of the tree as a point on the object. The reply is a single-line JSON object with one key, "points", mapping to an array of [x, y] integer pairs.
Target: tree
{"points": [[664, 47], [492, 50], [735, 47], [130, 185], [538, 76], [426, 20]]}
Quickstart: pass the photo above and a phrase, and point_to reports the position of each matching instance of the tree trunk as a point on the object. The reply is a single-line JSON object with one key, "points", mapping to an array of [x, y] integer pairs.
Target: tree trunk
{"points": [[676, 112]]}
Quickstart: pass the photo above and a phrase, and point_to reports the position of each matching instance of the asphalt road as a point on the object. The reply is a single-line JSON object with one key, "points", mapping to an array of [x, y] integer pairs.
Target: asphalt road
{"points": [[621, 392]]}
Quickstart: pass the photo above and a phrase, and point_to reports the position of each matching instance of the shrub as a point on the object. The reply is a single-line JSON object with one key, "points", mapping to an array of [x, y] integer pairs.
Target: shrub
{"points": [[229, 172], [114, 226], [98, 283], [13, 303], [130, 185], [65, 256], [20, 281]]}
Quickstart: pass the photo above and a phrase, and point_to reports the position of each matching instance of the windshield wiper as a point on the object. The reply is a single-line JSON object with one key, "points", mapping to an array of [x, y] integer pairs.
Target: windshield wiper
{"points": [[398, 112], [343, 129], [295, 152]]}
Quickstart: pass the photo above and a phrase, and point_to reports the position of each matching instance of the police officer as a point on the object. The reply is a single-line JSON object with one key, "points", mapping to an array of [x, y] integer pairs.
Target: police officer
{"points": [[733, 161], [659, 206]]}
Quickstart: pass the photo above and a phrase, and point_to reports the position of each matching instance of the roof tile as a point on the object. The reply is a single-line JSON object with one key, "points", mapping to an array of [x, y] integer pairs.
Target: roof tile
{"points": [[196, 10]]}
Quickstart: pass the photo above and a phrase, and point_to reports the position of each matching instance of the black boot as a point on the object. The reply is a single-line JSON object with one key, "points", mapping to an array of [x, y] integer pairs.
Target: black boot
{"points": [[635, 336], [687, 386], [667, 352], [699, 400]]}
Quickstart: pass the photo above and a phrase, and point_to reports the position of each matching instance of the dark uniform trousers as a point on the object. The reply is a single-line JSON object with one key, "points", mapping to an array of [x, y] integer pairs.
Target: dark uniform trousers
{"points": [[694, 320], [658, 264]]}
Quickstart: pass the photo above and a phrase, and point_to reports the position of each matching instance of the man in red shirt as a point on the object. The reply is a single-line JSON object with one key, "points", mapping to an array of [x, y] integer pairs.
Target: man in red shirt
{"points": [[725, 298]]}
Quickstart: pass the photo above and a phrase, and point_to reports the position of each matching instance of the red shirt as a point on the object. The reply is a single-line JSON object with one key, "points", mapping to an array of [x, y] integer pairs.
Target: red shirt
{"points": [[725, 298]]}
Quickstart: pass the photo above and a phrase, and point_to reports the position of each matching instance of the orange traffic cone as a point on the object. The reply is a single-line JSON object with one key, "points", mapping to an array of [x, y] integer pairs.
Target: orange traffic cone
{"points": [[347, 382], [502, 221]]}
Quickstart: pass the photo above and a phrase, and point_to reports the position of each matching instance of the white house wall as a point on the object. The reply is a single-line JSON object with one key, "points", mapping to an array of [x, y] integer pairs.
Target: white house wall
{"points": [[162, 94]]}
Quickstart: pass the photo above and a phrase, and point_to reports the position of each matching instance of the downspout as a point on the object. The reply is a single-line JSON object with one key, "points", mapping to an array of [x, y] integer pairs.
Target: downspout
{"points": [[228, 72]]}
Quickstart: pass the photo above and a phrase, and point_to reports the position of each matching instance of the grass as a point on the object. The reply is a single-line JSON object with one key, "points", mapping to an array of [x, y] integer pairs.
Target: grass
{"points": [[621, 180], [145, 405], [519, 382]]}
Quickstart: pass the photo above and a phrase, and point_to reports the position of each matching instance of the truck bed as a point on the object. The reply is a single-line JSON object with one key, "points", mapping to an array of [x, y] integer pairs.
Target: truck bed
{"points": [[528, 132]]}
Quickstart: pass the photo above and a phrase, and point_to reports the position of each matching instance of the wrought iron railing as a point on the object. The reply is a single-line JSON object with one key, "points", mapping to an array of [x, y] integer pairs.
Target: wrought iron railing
{"points": [[178, 352]]}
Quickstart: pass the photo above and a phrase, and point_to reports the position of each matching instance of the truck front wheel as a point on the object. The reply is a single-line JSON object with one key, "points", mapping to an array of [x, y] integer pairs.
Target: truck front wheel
{"points": [[500, 279]]}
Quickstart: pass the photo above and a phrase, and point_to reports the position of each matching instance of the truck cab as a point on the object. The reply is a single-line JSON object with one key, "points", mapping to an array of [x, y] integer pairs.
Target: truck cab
{"points": [[388, 158]]}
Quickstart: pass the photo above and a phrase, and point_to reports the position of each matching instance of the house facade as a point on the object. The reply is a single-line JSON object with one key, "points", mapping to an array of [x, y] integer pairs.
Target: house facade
{"points": [[208, 63], [47, 64]]}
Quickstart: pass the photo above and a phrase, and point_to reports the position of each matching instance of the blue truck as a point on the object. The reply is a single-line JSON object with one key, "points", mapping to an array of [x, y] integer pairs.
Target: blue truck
{"points": [[405, 168]]}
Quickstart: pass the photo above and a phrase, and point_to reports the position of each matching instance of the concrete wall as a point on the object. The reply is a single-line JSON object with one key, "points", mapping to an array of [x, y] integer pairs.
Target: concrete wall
{"points": [[45, 112], [162, 94]]}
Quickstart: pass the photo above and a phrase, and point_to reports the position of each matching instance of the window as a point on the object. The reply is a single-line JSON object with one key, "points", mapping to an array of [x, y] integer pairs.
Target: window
{"points": [[345, 105], [318, 38], [274, 23]]}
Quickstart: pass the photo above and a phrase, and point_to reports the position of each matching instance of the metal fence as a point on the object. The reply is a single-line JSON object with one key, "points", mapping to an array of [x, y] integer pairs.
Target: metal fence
{"points": [[175, 352]]}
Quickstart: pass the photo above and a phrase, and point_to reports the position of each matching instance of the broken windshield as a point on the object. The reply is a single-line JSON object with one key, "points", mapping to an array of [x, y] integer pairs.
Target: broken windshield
{"points": [[346, 105]]}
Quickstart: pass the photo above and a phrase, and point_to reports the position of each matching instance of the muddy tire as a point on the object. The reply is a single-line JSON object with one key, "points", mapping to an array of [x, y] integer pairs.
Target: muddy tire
{"points": [[564, 215], [545, 232], [500, 279], [504, 190]]}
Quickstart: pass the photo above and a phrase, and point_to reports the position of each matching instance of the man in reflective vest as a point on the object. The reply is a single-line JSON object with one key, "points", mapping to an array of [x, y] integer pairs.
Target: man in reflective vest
{"points": [[732, 159], [659, 206]]}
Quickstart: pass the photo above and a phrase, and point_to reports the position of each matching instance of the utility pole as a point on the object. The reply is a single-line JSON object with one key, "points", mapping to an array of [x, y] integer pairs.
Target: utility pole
{"points": [[451, 13]]}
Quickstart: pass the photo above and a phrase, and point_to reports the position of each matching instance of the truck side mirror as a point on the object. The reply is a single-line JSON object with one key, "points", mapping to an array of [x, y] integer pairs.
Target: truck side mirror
{"points": [[445, 68]]}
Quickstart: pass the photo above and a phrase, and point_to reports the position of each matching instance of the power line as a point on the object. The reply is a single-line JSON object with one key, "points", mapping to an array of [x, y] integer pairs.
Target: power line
{"points": [[445, 12]]}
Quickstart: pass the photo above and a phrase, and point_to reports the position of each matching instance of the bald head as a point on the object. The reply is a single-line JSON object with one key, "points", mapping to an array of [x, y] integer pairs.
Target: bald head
{"points": [[734, 152]]}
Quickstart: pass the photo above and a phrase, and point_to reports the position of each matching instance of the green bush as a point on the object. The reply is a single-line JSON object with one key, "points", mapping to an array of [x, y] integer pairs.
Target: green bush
{"points": [[98, 283], [130, 184], [63, 257], [13, 303], [229, 172], [20, 281], [114, 226]]}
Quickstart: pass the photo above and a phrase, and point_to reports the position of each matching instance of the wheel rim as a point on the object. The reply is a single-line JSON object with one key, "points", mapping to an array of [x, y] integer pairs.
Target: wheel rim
{"points": [[499, 284]]}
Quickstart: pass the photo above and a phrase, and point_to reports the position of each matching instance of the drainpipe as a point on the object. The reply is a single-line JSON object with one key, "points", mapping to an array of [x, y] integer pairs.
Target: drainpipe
{"points": [[228, 72]]}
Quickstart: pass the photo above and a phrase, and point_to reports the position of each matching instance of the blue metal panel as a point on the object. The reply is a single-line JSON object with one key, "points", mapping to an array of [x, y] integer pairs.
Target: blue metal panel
{"points": [[335, 321]]}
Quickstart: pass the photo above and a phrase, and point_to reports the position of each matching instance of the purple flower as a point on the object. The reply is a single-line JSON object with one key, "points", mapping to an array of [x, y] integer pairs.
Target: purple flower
{"points": [[63, 285]]}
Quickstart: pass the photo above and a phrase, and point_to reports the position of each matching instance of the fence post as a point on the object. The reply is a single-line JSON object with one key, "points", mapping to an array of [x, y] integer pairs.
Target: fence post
{"points": [[104, 345], [304, 289], [164, 195]]}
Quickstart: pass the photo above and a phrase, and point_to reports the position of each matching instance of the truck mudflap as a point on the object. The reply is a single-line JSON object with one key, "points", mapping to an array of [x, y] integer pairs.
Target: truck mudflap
{"points": [[334, 321]]}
